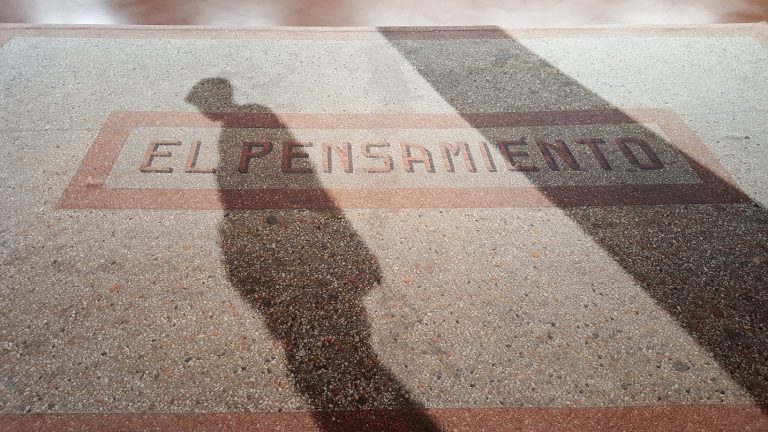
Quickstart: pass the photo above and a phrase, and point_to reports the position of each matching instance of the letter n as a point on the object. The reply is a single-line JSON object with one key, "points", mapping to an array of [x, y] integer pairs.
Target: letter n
{"points": [[345, 154]]}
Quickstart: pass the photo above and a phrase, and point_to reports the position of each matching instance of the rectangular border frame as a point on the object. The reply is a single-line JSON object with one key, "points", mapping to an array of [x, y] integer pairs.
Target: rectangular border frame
{"points": [[87, 188]]}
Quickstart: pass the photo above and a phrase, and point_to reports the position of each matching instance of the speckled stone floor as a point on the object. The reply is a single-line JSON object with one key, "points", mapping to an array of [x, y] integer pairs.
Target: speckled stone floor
{"points": [[383, 229]]}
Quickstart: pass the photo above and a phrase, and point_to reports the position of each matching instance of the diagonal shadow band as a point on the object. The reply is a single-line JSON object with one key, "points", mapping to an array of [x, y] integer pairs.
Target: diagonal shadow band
{"points": [[705, 265]]}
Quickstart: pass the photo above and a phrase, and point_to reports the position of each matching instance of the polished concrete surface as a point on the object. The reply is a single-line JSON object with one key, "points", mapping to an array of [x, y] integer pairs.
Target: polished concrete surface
{"points": [[384, 229], [245, 13]]}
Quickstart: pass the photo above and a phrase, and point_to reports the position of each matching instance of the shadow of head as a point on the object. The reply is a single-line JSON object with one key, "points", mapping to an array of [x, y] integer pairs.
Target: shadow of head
{"points": [[214, 96]]}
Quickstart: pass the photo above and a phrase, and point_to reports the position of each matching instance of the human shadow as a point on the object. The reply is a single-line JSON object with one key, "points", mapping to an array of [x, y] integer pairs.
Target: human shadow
{"points": [[705, 264], [305, 273]]}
